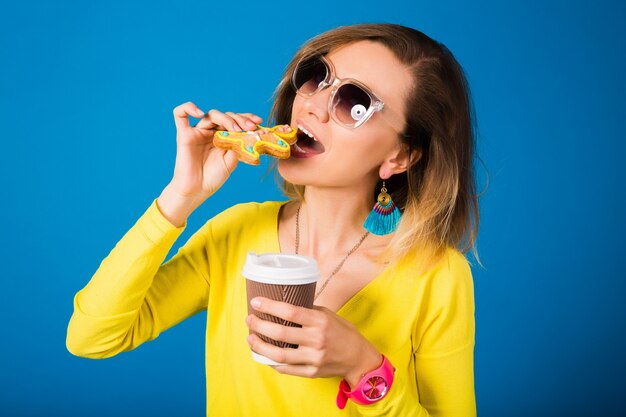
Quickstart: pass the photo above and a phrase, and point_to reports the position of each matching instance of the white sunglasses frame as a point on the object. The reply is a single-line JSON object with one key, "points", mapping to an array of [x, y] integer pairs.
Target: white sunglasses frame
{"points": [[331, 80]]}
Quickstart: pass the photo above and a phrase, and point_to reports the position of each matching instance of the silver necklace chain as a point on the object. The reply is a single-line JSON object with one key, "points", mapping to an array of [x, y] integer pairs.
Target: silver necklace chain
{"points": [[338, 267]]}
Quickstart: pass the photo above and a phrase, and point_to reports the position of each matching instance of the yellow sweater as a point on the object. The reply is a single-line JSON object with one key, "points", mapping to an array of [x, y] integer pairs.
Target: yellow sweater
{"points": [[424, 324]]}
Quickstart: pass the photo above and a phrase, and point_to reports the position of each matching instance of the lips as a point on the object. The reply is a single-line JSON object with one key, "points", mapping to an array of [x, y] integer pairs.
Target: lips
{"points": [[308, 144]]}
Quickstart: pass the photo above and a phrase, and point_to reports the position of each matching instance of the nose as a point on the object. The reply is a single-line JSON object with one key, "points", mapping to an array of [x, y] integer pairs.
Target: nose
{"points": [[318, 104]]}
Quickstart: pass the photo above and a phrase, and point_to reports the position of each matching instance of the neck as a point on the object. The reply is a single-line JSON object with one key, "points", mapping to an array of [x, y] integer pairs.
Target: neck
{"points": [[331, 219]]}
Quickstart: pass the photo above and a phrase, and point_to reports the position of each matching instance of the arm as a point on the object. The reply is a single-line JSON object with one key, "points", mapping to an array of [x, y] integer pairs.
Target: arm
{"points": [[444, 359], [443, 353], [436, 376], [132, 298]]}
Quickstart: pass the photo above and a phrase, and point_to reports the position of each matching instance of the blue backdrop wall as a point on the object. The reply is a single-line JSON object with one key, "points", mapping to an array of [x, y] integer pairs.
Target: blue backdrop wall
{"points": [[86, 97]]}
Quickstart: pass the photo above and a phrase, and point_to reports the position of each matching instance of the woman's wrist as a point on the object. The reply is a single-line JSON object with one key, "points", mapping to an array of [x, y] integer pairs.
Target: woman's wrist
{"points": [[175, 207], [367, 362]]}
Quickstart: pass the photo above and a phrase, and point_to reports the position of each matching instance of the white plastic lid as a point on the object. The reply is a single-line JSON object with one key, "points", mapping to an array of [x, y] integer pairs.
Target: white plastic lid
{"points": [[265, 360], [280, 268]]}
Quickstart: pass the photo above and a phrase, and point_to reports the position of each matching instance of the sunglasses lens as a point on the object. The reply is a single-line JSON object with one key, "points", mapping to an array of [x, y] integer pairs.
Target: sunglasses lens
{"points": [[309, 74], [350, 104]]}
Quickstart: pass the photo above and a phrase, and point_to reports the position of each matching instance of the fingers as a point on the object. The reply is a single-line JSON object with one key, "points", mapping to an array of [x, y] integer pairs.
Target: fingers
{"points": [[182, 113], [293, 335], [255, 119], [275, 353], [247, 121], [231, 159], [222, 119], [286, 311], [214, 118], [307, 371], [284, 129]]}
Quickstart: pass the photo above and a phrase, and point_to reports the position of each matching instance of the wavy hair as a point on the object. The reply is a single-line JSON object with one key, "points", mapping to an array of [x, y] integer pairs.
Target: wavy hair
{"points": [[437, 194]]}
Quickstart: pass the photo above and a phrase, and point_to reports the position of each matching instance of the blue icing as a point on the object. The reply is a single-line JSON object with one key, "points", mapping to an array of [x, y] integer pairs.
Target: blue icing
{"points": [[250, 149], [281, 143], [225, 133]]}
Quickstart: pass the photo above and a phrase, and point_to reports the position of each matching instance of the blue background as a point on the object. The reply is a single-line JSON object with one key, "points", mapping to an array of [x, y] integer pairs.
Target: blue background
{"points": [[86, 97]]}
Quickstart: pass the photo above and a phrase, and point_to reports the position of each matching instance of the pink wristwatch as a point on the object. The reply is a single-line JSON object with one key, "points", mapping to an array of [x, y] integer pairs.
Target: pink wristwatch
{"points": [[372, 387]]}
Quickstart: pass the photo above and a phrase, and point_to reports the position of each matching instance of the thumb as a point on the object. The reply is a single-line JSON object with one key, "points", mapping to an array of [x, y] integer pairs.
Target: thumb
{"points": [[231, 160], [322, 308]]}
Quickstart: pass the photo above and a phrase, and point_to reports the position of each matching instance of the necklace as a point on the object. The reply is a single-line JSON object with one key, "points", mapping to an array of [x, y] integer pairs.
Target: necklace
{"points": [[338, 267]]}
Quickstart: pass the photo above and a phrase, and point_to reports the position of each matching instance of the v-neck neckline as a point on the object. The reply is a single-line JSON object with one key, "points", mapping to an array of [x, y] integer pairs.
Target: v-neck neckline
{"points": [[347, 306]]}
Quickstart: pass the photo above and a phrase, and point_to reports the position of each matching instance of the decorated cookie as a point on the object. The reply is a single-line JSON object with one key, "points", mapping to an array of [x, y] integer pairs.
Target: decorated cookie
{"points": [[251, 144]]}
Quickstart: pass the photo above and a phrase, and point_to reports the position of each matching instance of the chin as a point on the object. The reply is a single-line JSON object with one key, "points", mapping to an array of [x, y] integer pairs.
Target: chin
{"points": [[288, 170], [293, 171]]}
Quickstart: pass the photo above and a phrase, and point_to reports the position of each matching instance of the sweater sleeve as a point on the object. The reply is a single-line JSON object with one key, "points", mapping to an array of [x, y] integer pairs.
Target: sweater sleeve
{"points": [[443, 354], [133, 297], [444, 357]]}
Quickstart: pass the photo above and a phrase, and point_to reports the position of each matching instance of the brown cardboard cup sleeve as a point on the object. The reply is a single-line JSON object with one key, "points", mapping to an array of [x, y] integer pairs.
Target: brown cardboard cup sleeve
{"points": [[283, 277]]}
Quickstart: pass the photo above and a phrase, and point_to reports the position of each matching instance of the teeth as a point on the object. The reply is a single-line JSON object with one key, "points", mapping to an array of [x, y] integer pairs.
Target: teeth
{"points": [[299, 148], [309, 134]]}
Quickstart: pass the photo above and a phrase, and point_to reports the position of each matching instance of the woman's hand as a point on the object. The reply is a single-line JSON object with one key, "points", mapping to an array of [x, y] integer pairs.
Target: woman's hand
{"points": [[329, 345], [201, 168]]}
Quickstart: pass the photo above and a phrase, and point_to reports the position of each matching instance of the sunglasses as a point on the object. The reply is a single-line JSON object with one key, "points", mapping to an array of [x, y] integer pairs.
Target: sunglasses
{"points": [[351, 103]]}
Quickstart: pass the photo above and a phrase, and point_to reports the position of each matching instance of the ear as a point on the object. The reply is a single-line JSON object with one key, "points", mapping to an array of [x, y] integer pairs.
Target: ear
{"points": [[399, 161]]}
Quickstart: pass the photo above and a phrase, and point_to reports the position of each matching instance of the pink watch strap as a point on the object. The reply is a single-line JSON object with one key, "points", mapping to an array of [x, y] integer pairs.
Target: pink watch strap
{"points": [[372, 387]]}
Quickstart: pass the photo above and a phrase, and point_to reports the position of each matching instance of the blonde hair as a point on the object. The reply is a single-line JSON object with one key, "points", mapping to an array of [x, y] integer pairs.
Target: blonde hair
{"points": [[437, 194]]}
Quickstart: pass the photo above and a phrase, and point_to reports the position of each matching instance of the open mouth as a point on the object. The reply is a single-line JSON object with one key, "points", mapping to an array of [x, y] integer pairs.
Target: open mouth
{"points": [[307, 145]]}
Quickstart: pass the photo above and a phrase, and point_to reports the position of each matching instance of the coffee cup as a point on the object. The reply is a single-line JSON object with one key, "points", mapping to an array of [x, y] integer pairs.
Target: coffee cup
{"points": [[283, 277]]}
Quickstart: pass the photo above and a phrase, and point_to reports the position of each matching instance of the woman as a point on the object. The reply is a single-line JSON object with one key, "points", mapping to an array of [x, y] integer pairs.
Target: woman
{"points": [[378, 107]]}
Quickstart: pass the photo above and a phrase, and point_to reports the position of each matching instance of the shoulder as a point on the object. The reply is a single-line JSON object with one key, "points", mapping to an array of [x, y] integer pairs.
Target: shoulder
{"points": [[449, 277], [452, 275], [244, 216], [447, 308], [452, 265], [251, 208]]}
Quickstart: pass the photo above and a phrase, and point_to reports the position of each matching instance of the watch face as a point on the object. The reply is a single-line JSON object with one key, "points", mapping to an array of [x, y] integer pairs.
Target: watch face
{"points": [[375, 388]]}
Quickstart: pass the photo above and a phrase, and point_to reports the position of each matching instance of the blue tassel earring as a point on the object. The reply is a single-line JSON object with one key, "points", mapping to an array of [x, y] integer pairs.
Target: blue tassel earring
{"points": [[384, 217]]}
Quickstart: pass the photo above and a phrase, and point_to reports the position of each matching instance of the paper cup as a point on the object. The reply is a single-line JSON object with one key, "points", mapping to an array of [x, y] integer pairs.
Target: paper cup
{"points": [[282, 277]]}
